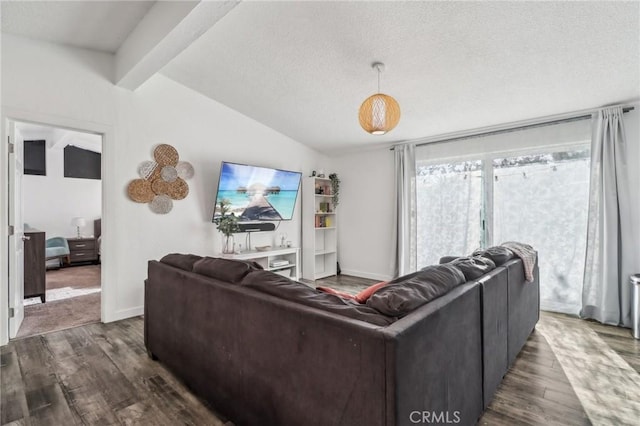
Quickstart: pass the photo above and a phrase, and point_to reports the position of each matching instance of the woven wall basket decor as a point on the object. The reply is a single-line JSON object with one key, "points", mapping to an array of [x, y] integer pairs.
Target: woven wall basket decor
{"points": [[140, 191], [166, 155], [161, 181]]}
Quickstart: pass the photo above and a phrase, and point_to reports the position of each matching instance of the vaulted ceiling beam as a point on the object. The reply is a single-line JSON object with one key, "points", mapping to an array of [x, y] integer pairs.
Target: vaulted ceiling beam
{"points": [[165, 31]]}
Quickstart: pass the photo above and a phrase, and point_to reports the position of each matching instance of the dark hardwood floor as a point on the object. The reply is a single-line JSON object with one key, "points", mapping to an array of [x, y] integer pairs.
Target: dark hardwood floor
{"points": [[96, 374], [568, 373]]}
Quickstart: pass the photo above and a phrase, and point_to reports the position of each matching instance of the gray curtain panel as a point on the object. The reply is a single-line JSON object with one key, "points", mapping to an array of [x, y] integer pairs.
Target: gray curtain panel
{"points": [[606, 293], [405, 212]]}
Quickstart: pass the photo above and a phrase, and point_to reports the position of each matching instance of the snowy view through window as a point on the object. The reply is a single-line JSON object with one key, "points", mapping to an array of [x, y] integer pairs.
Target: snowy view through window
{"points": [[537, 199]]}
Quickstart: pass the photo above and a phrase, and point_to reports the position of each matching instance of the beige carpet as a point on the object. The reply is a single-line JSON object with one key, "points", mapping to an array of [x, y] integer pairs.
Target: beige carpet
{"points": [[74, 276], [73, 299], [60, 314]]}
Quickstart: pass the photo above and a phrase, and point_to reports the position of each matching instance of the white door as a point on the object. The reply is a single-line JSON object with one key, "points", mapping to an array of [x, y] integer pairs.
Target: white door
{"points": [[16, 241]]}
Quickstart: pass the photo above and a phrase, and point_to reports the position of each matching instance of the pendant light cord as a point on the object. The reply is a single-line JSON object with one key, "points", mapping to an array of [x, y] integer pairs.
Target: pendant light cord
{"points": [[378, 68]]}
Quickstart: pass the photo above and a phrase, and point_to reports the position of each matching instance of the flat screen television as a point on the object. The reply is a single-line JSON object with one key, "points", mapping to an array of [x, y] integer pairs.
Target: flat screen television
{"points": [[257, 194]]}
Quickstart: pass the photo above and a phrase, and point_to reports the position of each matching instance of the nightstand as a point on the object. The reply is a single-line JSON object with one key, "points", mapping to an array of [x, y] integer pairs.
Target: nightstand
{"points": [[83, 249]]}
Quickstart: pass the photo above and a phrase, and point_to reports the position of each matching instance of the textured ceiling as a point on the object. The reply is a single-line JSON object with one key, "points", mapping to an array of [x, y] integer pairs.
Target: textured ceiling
{"points": [[303, 68], [97, 25]]}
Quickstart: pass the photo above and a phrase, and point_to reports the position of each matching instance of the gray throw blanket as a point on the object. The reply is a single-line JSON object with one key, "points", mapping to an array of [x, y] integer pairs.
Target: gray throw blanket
{"points": [[527, 254]]}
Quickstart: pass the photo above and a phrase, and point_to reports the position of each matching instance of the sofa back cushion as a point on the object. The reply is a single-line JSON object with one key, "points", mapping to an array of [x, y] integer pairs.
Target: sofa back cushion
{"points": [[498, 254], [474, 267], [284, 288], [181, 261], [404, 294], [232, 271]]}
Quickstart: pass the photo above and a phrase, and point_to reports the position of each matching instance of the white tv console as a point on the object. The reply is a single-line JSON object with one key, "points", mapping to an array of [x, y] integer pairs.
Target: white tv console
{"points": [[278, 255]]}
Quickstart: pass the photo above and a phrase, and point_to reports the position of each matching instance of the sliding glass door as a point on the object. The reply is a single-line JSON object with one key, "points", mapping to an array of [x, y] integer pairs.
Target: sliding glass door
{"points": [[536, 198], [449, 200], [542, 200]]}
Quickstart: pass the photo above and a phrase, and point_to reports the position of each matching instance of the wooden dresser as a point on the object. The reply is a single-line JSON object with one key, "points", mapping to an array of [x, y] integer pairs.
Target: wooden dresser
{"points": [[34, 265], [83, 249]]}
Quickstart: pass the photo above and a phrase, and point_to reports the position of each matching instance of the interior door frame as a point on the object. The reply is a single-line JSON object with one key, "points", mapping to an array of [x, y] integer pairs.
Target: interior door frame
{"points": [[107, 163], [15, 269]]}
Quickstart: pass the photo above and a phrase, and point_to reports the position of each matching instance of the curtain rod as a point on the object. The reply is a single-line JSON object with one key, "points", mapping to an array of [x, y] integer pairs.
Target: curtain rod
{"points": [[583, 116]]}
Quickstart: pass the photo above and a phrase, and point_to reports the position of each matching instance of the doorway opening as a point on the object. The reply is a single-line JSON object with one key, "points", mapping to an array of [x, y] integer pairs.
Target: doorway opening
{"points": [[56, 201]]}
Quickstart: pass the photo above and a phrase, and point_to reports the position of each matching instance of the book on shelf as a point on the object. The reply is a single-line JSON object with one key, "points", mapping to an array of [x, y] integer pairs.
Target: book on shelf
{"points": [[323, 221]]}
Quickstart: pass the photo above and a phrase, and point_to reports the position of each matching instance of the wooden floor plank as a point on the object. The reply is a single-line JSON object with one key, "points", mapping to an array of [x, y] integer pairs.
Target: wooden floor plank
{"points": [[13, 399]]}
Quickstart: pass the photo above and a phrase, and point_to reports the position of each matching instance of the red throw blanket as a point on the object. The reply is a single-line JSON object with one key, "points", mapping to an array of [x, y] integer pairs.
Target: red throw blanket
{"points": [[527, 254]]}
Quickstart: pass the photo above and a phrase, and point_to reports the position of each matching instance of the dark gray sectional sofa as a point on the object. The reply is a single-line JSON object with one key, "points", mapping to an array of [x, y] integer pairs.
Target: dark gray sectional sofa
{"points": [[264, 350]]}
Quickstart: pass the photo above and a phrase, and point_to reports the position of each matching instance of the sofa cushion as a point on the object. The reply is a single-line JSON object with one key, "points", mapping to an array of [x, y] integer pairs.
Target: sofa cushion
{"points": [[498, 254], [181, 261], [474, 267], [232, 271], [405, 294], [284, 288]]}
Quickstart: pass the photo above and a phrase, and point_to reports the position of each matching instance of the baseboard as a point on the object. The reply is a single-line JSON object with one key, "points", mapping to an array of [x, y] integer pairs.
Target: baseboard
{"points": [[125, 313], [369, 275]]}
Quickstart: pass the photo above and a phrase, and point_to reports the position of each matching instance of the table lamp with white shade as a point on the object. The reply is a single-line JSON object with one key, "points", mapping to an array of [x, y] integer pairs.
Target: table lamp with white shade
{"points": [[78, 222]]}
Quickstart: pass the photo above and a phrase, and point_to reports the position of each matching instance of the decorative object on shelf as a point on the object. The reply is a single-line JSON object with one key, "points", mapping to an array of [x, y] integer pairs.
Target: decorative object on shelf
{"points": [[313, 173], [379, 113], [78, 222], [161, 181], [263, 248], [335, 189], [227, 223]]}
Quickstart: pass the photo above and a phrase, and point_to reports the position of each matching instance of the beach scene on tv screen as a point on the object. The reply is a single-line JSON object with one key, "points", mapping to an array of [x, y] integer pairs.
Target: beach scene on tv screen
{"points": [[257, 193]]}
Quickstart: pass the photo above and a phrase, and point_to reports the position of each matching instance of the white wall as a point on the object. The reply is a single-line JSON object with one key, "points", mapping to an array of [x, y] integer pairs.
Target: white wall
{"points": [[51, 201], [204, 133], [72, 87], [365, 215], [367, 202]]}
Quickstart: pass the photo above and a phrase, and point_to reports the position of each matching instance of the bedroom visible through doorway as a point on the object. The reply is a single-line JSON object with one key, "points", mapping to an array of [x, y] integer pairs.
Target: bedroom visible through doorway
{"points": [[61, 209]]}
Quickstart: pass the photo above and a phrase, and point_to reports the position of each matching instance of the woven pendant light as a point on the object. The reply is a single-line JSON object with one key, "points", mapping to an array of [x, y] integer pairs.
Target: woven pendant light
{"points": [[379, 113]]}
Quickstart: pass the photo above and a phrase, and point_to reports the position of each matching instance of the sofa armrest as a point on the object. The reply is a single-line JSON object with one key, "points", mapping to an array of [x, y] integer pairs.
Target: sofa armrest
{"points": [[523, 306], [434, 359], [495, 328]]}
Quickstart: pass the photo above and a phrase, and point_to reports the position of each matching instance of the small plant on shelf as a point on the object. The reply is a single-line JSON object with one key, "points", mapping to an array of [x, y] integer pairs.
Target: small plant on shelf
{"points": [[227, 223], [335, 188]]}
